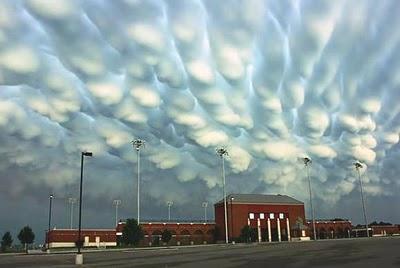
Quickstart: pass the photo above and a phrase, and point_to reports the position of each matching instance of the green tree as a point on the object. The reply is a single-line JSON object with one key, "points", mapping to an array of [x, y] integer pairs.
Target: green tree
{"points": [[132, 233], [6, 241], [248, 234], [166, 236], [26, 236], [216, 233]]}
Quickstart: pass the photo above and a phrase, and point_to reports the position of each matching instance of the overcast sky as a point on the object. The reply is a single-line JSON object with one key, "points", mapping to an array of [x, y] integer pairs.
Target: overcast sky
{"points": [[271, 81]]}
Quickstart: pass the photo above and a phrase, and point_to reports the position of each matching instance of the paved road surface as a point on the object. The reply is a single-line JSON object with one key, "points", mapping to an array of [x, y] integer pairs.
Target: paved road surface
{"points": [[373, 252]]}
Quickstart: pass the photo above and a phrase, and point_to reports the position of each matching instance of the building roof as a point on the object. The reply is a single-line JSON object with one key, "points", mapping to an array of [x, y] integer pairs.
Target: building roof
{"points": [[329, 220], [261, 199]]}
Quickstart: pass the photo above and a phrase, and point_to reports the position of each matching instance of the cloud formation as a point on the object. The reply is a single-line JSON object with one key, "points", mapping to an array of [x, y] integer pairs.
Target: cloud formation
{"points": [[271, 81]]}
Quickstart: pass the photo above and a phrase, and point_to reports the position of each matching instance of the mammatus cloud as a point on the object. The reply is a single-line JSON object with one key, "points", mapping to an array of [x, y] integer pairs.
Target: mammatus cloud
{"points": [[271, 81]]}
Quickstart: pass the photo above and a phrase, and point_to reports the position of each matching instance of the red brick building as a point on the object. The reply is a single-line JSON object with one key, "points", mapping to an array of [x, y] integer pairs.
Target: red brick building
{"points": [[91, 237], [183, 233], [376, 230], [329, 229], [275, 217], [385, 230]]}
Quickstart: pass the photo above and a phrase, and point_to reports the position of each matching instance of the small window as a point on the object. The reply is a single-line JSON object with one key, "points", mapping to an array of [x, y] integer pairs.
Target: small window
{"points": [[281, 216], [271, 216], [262, 216], [251, 216]]}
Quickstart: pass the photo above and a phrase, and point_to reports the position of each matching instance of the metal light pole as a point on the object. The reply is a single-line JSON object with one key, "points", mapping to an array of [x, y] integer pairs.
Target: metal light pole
{"points": [[358, 165], [79, 257], [231, 218], [116, 204], [307, 162], [48, 229], [223, 152], [169, 204], [205, 205], [71, 201], [137, 143]]}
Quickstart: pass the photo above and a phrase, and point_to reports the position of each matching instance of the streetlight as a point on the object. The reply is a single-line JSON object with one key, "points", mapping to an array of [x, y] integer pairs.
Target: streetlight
{"points": [[71, 201], [358, 166], [79, 256], [223, 152], [48, 230], [231, 219], [169, 204], [307, 162], [205, 205], [116, 204], [137, 143]]}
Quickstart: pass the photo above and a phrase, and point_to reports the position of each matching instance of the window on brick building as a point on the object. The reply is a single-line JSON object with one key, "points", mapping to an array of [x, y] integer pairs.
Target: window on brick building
{"points": [[281, 216], [271, 216], [251, 216], [262, 216]]}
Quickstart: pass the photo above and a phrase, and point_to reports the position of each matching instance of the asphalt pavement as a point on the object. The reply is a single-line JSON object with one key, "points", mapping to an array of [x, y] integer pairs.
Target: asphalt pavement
{"points": [[372, 252]]}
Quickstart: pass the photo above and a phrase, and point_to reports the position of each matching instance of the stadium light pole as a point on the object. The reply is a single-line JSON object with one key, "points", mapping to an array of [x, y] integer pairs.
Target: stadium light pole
{"points": [[358, 166], [79, 256], [205, 205], [222, 152], [137, 143], [48, 229], [116, 203], [231, 218], [169, 204], [307, 162], [71, 201]]}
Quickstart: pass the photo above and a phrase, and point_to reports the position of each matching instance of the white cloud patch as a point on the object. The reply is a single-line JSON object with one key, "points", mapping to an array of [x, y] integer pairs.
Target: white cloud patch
{"points": [[20, 59], [280, 150]]}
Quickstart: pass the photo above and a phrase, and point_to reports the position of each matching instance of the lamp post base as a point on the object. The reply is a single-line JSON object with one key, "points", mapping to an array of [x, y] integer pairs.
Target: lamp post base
{"points": [[79, 259]]}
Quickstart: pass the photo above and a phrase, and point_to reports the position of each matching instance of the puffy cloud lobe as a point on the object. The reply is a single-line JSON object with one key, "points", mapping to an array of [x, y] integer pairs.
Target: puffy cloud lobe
{"points": [[20, 59], [108, 93], [272, 81]]}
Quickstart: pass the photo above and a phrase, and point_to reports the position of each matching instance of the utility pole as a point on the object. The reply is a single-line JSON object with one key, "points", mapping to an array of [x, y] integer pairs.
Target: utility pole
{"points": [[222, 152], [116, 204], [137, 143], [307, 162], [169, 204], [71, 201], [79, 256], [205, 205], [49, 227], [358, 166]]}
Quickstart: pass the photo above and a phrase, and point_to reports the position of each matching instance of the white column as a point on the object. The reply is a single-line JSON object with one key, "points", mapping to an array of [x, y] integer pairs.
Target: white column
{"points": [[278, 224], [259, 230], [248, 221], [288, 229], [269, 230]]}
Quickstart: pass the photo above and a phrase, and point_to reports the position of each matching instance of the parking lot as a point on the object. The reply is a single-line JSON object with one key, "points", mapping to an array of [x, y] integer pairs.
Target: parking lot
{"points": [[373, 252]]}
